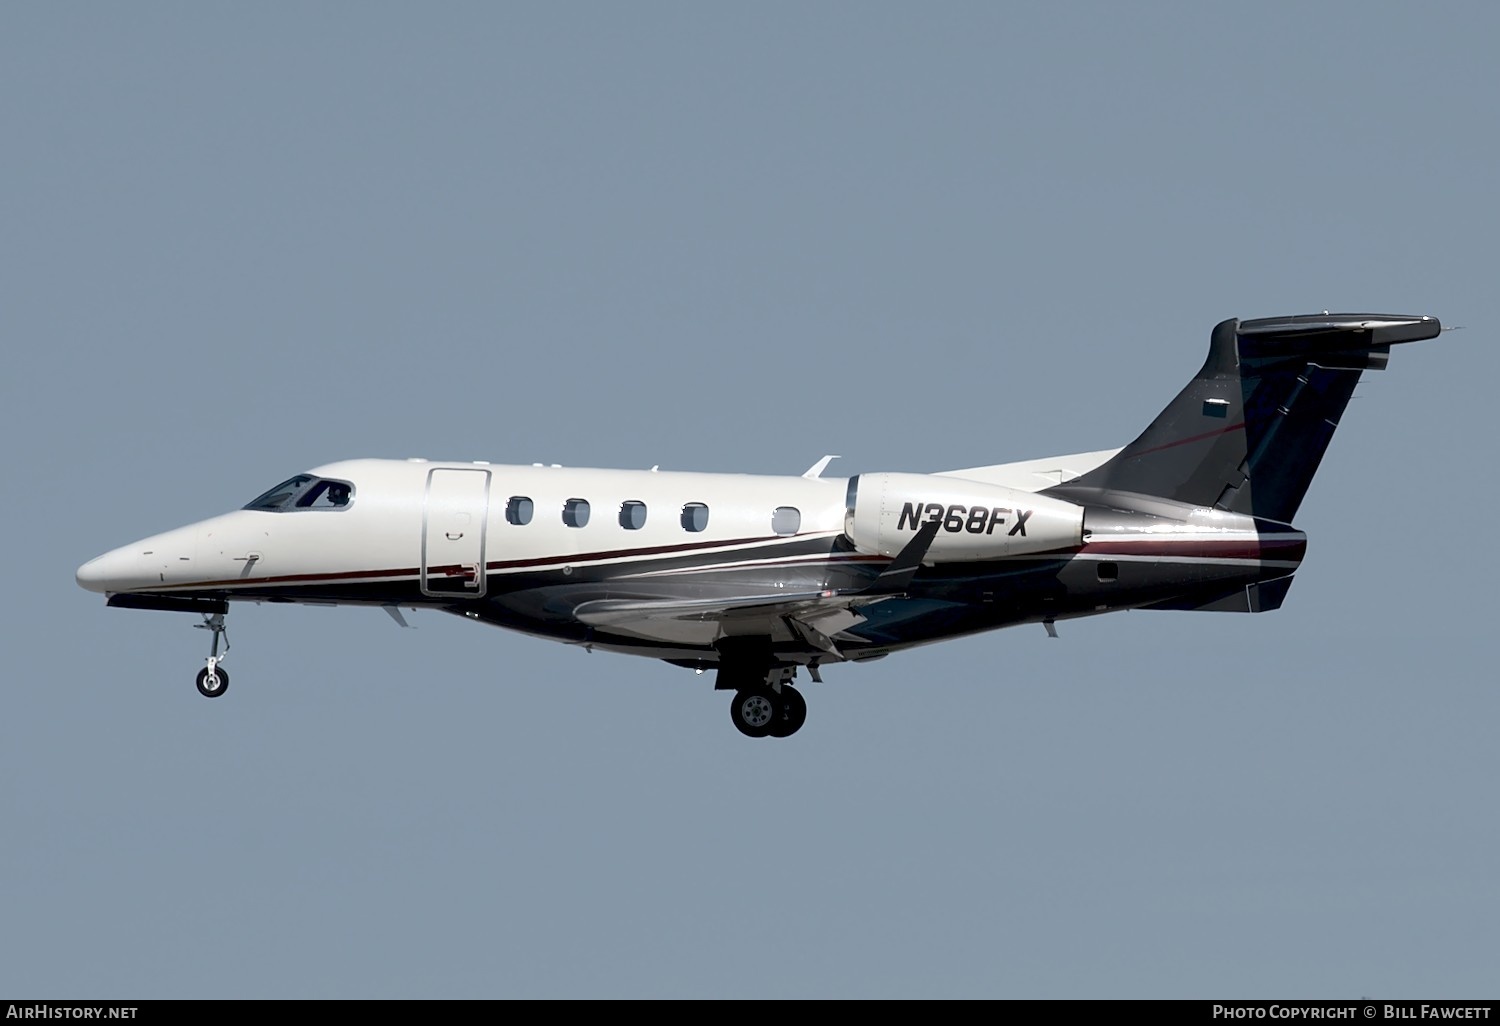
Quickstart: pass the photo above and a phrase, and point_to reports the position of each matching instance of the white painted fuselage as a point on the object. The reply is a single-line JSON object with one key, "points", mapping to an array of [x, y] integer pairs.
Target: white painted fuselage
{"points": [[760, 576]]}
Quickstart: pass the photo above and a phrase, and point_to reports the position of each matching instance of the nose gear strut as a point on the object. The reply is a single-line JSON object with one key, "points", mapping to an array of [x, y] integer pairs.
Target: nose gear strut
{"points": [[213, 680]]}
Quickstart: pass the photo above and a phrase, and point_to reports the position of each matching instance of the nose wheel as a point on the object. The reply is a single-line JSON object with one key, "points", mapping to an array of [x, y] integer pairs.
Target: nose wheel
{"points": [[213, 679]]}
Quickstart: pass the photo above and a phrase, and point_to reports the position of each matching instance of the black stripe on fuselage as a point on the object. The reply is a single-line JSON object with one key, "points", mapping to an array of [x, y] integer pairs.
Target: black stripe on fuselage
{"points": [[813, 554], [537, 596]]}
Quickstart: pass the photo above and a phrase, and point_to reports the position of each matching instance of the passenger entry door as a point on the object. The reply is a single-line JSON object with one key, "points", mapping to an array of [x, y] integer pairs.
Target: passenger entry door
{"points": [[453, 521]]}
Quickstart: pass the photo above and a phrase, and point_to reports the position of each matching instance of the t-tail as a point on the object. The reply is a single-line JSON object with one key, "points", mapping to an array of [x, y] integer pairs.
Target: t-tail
{"points": [[1248, 432]]}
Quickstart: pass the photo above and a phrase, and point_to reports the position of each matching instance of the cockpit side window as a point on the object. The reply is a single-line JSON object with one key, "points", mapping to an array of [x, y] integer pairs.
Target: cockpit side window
{"points": [[326, 495], [281, 496], [304, 492]]}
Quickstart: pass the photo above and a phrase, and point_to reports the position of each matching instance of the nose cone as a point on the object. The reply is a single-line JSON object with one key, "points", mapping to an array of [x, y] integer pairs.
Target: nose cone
{"points": [[119, 570], [98, 573], [149, 564]]}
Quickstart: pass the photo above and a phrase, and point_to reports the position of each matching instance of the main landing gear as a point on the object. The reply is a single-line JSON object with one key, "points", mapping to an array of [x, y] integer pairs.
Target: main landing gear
{"points": [[765, 704], [213, 680], [765, 711]]}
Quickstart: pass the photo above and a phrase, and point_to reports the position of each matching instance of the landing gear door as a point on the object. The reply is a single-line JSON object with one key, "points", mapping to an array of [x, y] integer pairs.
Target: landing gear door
{"points": [[453, 523]]}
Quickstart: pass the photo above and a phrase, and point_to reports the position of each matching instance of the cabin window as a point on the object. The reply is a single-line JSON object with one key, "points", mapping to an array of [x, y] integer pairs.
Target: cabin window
{"points": [[1109, 571], [576, 512], [786, 520], [518, 510], [632, 515], [694, 516]]}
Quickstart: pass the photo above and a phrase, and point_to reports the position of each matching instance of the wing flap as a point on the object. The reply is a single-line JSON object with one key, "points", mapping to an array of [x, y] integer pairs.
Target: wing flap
{"points": [[613, 612], [811, 616]]}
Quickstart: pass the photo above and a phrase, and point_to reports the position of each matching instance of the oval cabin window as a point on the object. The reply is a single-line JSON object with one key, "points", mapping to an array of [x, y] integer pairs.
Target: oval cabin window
{"points": [[632, 515], [786, 520], [518, 510], [576, 512], [694, 516]]}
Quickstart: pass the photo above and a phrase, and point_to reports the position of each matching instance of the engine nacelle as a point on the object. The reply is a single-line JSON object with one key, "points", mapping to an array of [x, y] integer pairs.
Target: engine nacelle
{"points": [[978, 521]]}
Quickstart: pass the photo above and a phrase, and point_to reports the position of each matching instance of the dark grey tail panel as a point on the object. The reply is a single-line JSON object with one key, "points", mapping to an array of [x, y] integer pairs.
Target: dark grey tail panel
{"points": [[1248, 432], [1260, 597]]}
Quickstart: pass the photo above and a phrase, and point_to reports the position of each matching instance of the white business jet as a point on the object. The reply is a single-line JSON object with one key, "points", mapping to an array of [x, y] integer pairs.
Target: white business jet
{"points": [[757, 578]]}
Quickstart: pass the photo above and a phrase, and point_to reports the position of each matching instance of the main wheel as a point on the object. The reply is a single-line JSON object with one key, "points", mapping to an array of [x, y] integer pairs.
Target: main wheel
{"points": [[791, 713], [213, 686], [753, 711]]}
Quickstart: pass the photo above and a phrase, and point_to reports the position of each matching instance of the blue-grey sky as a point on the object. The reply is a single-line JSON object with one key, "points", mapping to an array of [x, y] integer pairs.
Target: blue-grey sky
{"points": [[241, 240]]}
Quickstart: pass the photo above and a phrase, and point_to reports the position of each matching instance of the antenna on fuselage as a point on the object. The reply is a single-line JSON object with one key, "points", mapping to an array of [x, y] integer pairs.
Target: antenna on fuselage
{"points": [[816, 470]]}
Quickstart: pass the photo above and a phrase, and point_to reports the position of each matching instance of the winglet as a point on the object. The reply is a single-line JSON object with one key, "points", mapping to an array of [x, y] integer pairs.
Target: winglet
{"points": [[816, 470], [898, 574]]}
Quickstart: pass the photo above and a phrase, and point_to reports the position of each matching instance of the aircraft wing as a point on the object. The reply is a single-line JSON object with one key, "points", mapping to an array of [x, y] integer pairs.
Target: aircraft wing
{"points": [[813, 617]]}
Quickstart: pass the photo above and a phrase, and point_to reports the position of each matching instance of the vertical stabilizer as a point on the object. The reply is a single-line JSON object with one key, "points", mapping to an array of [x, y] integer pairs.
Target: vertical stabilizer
{"points": [[1247, 434]]}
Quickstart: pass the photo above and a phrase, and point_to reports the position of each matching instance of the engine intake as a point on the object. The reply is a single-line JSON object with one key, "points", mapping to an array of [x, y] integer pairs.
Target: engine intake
{"points": [[979, 521]]}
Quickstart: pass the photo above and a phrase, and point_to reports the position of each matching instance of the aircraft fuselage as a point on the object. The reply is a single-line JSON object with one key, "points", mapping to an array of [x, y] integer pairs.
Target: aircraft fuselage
{"points": [[759, 576], [448, 535]]}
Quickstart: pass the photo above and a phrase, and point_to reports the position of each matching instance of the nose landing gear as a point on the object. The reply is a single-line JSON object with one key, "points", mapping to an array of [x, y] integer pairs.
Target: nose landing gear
{"points": [[213, 680]]}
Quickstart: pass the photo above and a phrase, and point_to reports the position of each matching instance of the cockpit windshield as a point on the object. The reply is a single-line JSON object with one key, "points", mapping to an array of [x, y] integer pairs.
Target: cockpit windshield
{"points": [[304, 492]]}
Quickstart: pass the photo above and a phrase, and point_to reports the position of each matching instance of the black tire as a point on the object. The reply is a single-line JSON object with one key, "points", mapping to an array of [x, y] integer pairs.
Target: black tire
{"points": [[222, 678], [791, 713], [753, 710]]}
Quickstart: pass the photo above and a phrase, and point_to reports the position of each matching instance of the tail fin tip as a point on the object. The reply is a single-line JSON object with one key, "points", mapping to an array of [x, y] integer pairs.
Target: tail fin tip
{"points": [[1247, 434]]}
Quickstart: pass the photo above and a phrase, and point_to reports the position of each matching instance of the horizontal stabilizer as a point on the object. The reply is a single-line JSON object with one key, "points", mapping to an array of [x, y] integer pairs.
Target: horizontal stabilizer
{"points": [[1309, 333]]}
